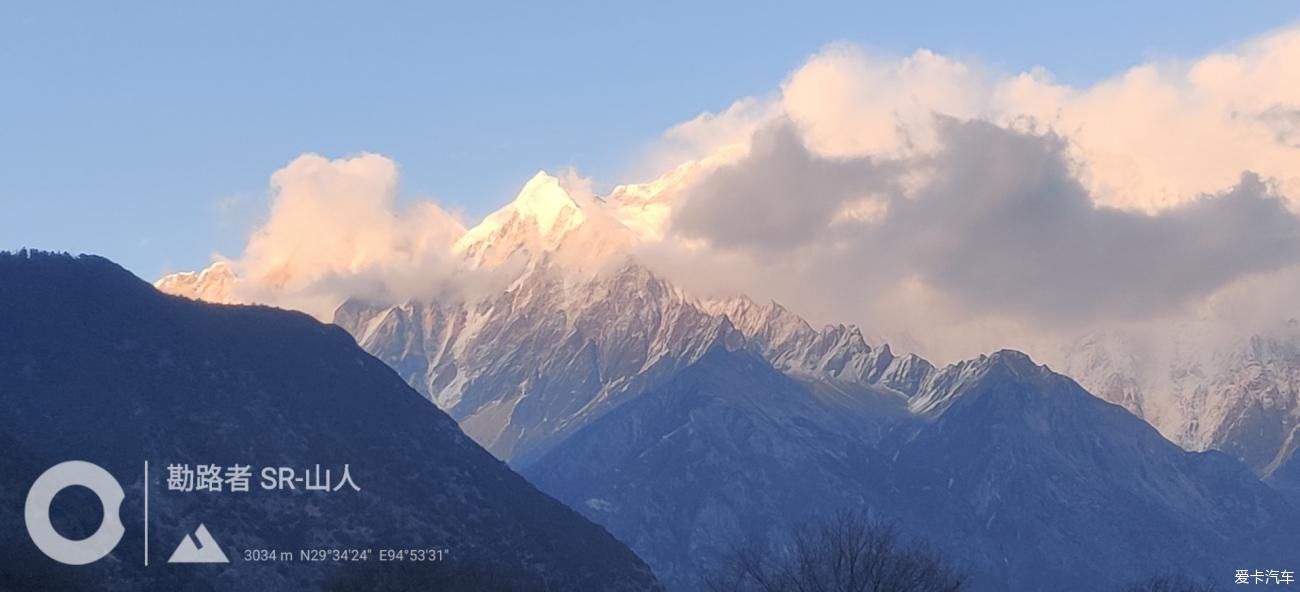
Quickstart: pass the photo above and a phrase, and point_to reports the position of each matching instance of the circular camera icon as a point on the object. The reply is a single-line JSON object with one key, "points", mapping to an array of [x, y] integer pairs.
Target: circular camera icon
{"points": [[37, 512]]}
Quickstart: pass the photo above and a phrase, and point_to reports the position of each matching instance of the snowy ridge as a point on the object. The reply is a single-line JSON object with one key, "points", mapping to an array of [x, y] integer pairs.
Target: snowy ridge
{"points": [[1242, 397], [522, 368], [940, 389]]}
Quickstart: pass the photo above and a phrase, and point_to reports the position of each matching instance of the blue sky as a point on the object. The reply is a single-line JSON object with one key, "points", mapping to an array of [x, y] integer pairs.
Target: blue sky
{"points": [[123, 126]]}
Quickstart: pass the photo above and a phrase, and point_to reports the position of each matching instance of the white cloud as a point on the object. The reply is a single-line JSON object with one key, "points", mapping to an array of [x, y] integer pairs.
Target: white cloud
{"points": [[1155, 194], [335, 230], [1164, 132], [1149, 138], [712, 137], [850, 104]]}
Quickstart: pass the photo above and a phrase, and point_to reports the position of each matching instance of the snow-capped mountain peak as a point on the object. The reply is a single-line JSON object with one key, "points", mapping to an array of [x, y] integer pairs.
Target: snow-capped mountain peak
{"points": [[545, 218], [543, 204]]}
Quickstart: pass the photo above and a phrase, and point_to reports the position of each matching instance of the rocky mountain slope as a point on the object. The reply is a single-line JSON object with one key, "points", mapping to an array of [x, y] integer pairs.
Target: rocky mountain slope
{"points": [[1015, 473], [686, 442], [522, 369]]}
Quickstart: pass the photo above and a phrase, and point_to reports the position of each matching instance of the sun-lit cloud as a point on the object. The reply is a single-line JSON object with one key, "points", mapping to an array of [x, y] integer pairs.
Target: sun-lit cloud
{"points": [[848, 103], [931, 195], [708, 137], [335, 230], [1164, 132], [1001, 228], [1147, 138]]}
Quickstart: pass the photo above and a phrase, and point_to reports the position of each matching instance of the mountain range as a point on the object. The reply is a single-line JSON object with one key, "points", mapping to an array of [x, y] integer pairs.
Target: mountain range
{"points": [[523, 368], [688, 424], [685, 432]]}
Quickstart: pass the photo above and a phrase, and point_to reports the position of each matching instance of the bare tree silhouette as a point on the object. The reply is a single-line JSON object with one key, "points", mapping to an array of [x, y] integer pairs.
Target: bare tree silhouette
{"points": [[847, 553]]}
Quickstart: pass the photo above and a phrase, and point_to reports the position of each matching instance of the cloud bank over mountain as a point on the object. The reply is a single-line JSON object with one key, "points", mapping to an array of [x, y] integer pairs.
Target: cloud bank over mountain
{"points": [[936, 200], [981, 210], [1000, 225]]}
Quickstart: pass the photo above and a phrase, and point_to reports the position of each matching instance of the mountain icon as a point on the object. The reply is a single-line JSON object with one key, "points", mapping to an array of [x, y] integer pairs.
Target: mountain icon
{"points": [[205, 551]]}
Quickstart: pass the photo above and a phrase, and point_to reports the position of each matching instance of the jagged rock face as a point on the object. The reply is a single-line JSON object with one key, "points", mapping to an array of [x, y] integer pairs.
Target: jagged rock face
{"points": [[837, 353], [727, 450], [1243, 399], [1019, 476], [97, 365], [522, 369]]}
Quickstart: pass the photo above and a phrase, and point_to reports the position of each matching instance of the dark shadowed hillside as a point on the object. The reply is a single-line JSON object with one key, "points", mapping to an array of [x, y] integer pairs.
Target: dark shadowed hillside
{"points": [[96, 365]]}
